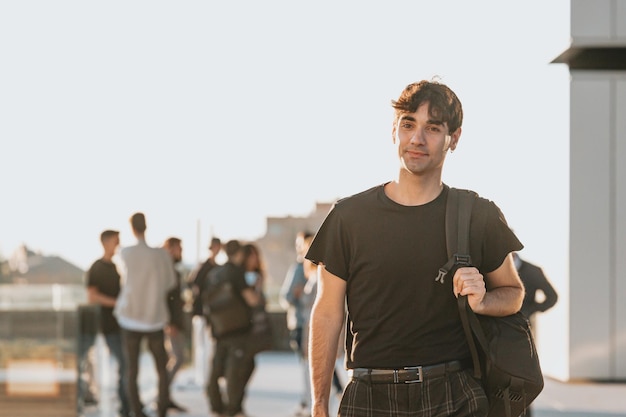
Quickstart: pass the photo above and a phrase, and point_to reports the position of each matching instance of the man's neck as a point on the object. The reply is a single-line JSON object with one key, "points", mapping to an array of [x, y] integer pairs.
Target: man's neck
{"points": [[414, 190]]}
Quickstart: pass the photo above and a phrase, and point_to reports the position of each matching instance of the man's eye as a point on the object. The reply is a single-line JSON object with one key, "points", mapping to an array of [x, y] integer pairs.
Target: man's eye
{"points": [[406, 125]]}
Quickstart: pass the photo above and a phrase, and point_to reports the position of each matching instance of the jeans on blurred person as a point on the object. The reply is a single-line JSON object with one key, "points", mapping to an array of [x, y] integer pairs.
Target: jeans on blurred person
{"points": [[231, 361], [114, 343], [156, 345]]}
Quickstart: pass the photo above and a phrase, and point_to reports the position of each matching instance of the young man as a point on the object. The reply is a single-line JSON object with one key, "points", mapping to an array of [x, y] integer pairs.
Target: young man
{"points": [[142, 312], [380, 251], [103, 287], [175, 332]]}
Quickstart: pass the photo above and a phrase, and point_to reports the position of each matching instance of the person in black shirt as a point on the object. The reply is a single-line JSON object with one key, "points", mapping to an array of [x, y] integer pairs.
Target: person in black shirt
{"points": [[231, 357], [379, 252], [103, 287], [535, 283]]}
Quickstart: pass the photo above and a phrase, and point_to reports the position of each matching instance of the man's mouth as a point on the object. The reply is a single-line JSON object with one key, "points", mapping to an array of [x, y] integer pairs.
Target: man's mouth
{"points": [[415, 153]]}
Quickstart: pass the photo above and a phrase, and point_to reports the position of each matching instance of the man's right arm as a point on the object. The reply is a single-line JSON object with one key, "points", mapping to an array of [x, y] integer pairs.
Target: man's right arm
{"points": [[325, 326], [94, 295]]}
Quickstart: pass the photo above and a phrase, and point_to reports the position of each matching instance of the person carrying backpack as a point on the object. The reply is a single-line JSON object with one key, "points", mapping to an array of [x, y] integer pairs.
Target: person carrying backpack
{"points": [[379, 252], [228, 300]]}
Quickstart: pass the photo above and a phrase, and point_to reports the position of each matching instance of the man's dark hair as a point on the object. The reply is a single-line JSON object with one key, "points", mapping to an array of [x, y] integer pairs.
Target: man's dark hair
{"points": [[215, 241], [108, 234], [138, 222], [443, 104], [171, 242], [232, 247]]}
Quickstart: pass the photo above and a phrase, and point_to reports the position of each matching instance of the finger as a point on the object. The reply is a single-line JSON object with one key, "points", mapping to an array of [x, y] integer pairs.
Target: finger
{"points": [[474, 286]]}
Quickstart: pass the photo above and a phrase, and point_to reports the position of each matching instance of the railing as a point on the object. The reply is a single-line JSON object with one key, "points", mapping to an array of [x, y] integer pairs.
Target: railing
{"points": [[38, 354]]}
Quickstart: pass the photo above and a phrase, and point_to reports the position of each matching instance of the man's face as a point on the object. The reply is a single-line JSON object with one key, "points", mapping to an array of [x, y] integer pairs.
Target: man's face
{"points": [[177, 253], [422, 142], [111, 243], [215, 248]]}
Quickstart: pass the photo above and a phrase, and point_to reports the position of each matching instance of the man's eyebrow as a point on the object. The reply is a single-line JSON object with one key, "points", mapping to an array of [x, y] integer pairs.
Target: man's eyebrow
{"points": [[429, 121]]}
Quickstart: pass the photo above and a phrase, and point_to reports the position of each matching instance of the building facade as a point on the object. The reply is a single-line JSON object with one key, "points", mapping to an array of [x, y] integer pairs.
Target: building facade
{"points": [[595, 334]]}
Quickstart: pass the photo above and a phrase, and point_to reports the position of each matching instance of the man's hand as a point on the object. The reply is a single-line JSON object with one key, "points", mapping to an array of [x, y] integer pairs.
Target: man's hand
{"points": [[171, 330], [469, 281], [505, 294]]}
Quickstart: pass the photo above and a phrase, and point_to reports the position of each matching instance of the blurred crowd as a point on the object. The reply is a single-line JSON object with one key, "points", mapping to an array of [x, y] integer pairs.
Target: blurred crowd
{"points": [[144, 293]]}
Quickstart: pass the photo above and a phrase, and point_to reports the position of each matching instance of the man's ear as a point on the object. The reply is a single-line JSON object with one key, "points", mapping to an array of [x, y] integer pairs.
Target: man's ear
{"points": [[454, 139], [393, 133]]}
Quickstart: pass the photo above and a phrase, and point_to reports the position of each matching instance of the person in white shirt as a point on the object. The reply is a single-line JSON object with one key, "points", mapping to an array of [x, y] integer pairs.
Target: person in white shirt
{"points": [[141, 311]]}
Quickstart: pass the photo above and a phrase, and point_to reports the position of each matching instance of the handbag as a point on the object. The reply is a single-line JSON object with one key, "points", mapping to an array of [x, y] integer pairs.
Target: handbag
{"points": [[503, 348]]}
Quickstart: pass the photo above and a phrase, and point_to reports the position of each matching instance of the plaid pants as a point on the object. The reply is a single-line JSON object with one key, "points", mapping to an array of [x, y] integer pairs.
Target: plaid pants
{"points": [[456, 394]]}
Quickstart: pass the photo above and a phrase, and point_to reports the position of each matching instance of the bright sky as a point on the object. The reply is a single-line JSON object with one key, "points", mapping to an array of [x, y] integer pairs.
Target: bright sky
{"points": [[223, 113]]}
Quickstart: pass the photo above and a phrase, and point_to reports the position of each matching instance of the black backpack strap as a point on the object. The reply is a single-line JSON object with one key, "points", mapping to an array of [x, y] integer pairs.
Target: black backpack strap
{"points": [[469, 321], [458, 215]]}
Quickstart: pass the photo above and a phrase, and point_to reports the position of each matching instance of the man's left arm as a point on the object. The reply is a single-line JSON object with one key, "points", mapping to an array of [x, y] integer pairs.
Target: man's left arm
{"points": [[497, 293]]}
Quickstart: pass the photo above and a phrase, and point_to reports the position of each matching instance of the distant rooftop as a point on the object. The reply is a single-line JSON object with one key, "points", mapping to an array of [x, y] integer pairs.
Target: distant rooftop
{"points": [[28, 267]]}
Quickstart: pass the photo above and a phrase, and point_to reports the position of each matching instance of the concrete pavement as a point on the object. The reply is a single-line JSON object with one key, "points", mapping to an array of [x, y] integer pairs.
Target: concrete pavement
{"points": [[275, 388]]}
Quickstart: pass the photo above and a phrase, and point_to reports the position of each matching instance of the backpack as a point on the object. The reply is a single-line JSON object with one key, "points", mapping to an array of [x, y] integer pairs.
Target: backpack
{"points": [[503, 348], [223, 304]]}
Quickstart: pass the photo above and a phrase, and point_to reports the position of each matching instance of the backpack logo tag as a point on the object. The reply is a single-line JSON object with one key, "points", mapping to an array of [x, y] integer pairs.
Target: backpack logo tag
{"points": [[441, 275]]}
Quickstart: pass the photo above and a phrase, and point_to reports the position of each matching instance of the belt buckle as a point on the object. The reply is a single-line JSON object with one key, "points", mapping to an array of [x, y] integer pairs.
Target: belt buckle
{"points": [[418, 370]]}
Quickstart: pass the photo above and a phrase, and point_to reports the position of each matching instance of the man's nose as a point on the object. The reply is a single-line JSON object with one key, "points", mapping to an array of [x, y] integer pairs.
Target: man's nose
{"points": [[418, 136]]}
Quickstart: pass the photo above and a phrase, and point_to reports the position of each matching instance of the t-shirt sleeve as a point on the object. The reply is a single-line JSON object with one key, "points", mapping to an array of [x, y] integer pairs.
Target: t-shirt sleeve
{"points": [[92, 276], [499, 240], [331, 245]]}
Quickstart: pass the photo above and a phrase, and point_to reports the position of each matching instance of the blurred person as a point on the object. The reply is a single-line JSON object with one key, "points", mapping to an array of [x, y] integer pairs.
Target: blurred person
{"points": [[198, 276], [290, 298], [103, 288], [175, 332], [260, 333], [379, 253], [230, 360], [540, 294], [142, 311], [200, 340]]}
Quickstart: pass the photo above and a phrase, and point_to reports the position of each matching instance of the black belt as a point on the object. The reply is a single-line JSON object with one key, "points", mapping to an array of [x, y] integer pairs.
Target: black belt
{"points": [[406, 375]]}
